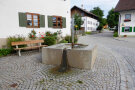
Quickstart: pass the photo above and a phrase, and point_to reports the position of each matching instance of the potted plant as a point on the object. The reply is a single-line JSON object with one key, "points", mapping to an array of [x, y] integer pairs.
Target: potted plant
{"points": [[125, 35]]}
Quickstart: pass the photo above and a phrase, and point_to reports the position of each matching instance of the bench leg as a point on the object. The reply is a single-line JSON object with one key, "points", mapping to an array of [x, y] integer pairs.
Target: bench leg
{"points": [[40, 48], [19, 52]]}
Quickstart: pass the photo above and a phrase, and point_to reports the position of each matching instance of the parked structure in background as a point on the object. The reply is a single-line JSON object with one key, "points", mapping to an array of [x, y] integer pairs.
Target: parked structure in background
{"points": [[90, 20], [20, 17], [126, 8], [106, 26]]}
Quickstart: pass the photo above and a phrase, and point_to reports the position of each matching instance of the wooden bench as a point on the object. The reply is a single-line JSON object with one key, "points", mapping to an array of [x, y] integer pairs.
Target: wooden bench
{"points": [[28, 43]]}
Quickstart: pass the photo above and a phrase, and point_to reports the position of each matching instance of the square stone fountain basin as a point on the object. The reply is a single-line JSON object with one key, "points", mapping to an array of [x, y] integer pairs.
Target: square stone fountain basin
{"points": [[82, 58]]}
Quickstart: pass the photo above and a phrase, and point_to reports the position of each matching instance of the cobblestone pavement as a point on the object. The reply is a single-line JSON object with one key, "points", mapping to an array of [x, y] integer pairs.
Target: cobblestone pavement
{"points": [[113, 69], [123, 49]]}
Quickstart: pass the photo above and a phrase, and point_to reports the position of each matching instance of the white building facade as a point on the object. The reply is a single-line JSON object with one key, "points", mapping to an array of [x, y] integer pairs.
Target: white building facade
{"points": [[127, 23], [19, 17], [90, 24], [126, 10], [90, 21]]}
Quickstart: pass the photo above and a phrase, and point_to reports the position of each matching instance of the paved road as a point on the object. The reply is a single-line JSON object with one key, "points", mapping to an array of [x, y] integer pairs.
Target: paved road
{"points": [[114, 68], [124, 51]]}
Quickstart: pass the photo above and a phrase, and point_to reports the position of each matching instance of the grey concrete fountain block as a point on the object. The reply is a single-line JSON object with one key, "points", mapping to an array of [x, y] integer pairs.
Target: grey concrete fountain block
{"points": [[82, 58]]}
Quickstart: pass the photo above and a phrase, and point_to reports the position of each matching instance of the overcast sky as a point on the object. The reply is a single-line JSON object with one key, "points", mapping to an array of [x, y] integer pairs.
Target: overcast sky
{"points": [[105, 5]]}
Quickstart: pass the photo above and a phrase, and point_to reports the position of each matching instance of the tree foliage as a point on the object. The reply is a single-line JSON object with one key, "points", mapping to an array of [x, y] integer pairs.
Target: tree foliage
{"points": [[77, 21], [100, 13], [112, 18], [104, 20], [97, 11]]}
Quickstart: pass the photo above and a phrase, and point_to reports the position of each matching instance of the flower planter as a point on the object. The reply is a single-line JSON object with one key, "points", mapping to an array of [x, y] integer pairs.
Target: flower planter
{"points": [[125, 35], [127, 20]]}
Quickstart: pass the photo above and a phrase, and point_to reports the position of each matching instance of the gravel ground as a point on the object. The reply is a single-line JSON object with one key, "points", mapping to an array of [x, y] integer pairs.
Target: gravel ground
{"points": [[113, 70]]}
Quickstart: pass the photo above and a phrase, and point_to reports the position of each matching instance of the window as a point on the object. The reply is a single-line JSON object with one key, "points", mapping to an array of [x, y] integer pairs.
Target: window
{"points": [[57, 22], [33, 20], [97, 24], [82, 14], [127, 29], [127, 17]]}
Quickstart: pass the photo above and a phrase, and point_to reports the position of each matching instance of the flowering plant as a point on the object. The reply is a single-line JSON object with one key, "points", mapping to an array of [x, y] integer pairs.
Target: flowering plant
{"points": [[32, 34], [42, 35]]}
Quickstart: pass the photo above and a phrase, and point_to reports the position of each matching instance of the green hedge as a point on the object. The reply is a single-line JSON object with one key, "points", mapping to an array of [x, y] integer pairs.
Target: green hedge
{"points": [[115, 34], [49, 40], [88, 33], [69, 39], [15, 39], [63, 41], [5, 52]]}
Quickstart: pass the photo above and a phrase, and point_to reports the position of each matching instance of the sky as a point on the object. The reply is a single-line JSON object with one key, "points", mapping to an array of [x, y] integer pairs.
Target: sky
{"points": [[105, 5]]}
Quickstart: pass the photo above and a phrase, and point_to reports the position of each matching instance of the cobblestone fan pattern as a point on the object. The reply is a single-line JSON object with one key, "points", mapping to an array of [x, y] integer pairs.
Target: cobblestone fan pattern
{"points": [[28, 73], [123, 49]]}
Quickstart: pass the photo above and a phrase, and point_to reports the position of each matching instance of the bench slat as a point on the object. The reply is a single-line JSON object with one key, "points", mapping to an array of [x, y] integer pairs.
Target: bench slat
{"points": [[26, 42], [33, 47]]}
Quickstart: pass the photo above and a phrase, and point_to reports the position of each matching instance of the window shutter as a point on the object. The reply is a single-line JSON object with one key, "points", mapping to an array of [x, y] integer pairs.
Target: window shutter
{"points": [[22, 19], [130, 29], [50, 21], [123, 29], [42, 21], [63, 22], [134, 29]]}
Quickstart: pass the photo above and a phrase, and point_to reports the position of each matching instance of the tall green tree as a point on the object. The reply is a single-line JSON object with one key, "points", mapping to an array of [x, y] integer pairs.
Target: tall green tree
{"points": [[97, 11], [100, 13], [78, 21], [112, 18], [104, 20]]}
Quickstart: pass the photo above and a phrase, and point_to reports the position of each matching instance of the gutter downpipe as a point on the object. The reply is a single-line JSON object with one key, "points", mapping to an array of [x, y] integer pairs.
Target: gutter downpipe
{"points": [[119, 25]]}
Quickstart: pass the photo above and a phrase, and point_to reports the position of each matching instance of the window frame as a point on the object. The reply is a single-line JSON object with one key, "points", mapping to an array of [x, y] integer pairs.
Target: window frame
{"points": [[61, 22], [126, 20], [127, 27], [32, 14]]}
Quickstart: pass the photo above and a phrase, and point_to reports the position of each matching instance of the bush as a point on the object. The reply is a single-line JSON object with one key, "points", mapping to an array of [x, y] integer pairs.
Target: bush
{"points": [[63, 41], [15, 39], [48, 33], [69, 39], [49, 40], [88, 33], [115, 34], [32, 35], [100, 27], [5, 52]]}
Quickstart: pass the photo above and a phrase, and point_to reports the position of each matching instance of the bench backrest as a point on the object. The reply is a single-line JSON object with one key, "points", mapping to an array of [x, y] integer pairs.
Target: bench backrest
{"points": [[26, 42]]}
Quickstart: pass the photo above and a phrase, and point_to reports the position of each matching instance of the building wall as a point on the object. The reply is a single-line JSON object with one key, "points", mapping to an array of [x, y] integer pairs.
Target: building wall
{"points": [[77, 11], [90, 24], [9, 19], [124, 24]]}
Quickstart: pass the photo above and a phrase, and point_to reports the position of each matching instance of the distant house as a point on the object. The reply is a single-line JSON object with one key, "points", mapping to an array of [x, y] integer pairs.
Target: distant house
{"points": [[126, 8], [90, 20], [21, 16]]}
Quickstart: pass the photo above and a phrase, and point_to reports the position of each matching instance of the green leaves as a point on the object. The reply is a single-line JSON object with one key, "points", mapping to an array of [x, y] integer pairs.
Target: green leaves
{"points": [[78, 21], [112, 18], [4, 52], [97, 11], [100, 13]]}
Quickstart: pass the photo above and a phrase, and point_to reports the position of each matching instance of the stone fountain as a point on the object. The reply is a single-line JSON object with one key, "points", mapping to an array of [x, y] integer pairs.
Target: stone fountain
{"points": [[81, 56]]}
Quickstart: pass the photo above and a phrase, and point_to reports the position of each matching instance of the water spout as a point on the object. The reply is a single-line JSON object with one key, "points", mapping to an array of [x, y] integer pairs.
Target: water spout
{"points": [[64, 62]]}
